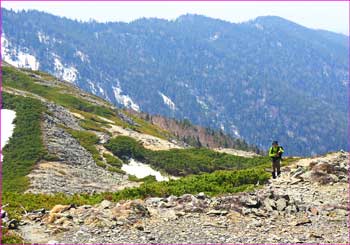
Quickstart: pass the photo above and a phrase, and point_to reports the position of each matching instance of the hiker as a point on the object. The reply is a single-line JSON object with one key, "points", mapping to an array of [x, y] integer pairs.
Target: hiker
{"points": [[275, 152]]}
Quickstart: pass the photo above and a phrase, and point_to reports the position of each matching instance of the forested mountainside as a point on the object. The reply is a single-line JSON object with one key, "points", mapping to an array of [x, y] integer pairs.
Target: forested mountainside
{"points": [[261, 80], [196, 135]]}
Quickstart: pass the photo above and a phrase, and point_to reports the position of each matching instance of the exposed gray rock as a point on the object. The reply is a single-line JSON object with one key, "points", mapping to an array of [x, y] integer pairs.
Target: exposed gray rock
{"points": [[281, 204], [201, 196], [76, 171], [250, 201], [269, 204], [217, 212], [61, 115], [127, 119], [105, 204]]}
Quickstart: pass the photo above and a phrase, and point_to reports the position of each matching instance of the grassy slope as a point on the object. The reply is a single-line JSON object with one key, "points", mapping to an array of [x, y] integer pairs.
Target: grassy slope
{"points": [[182, 162]]}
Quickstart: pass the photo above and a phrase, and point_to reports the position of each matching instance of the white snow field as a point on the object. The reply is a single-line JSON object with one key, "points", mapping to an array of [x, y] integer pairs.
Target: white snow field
{"points": [[141, 170], [7, 126]]}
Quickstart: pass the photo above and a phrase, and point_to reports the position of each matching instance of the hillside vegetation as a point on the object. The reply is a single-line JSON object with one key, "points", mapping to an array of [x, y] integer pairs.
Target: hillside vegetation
{"points": [[181, 162], [25, 148], [197, 136]]}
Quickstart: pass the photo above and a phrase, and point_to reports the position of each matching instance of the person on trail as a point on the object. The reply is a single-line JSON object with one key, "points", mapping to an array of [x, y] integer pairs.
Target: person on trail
{"points": [[275, 152]]}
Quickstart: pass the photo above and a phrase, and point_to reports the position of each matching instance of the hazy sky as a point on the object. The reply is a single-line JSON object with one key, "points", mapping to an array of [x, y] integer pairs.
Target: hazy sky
{"points": [[332, 16]]}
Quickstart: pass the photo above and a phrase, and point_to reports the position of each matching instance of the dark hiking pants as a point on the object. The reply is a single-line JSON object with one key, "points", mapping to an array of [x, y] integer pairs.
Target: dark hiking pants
{"points": [[276, 166]]}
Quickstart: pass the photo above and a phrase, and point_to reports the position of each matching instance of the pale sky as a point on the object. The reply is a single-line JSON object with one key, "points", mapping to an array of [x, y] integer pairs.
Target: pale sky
{"points": [[332, 16]]}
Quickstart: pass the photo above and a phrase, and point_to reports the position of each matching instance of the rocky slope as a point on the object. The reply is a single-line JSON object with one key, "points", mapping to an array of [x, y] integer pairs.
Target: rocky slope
{"points": [[307, 204]]}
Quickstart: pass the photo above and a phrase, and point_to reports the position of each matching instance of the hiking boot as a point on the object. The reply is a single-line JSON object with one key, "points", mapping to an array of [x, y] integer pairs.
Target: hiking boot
{"points": [[273, 175], [278, 174]]}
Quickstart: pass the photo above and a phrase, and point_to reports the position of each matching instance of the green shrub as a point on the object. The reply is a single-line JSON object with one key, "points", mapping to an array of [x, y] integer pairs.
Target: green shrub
{"points": [[116, 170], [125, 147], [181, 162], [91, 125], [149, 178], [25, 147], [9, 237], [101, 164], [112, 160], [219, 182], [50, 157]]}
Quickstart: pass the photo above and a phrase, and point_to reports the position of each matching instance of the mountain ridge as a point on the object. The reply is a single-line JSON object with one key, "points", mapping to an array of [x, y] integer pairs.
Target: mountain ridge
{"points": [[217, 74]]}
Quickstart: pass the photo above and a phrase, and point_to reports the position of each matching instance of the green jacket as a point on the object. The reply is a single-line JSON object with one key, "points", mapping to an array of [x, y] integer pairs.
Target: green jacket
{"points": [[274, 150]]}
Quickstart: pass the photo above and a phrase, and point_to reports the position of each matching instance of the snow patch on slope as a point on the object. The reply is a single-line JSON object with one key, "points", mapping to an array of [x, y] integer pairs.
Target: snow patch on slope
{"points": [[141, 170], [43, 38], [83, 57], [235, 131], [67, 73], [92, 87], [259, 27], [167, 101], [100, 89], [17, 57], [7, 126], [124, 99], [214, 37], [202, 103]]}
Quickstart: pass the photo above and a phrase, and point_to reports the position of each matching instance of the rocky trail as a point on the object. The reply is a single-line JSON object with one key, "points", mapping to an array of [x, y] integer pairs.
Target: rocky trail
{"points": [[307, 204]]}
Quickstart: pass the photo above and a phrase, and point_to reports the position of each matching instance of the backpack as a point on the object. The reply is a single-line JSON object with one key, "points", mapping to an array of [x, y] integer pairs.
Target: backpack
{"points": [[280, 155]]}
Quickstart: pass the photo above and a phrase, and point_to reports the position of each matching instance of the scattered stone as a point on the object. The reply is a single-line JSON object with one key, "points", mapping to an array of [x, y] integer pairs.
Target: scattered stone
{"points": [[201, 196], [315, 235], [281, 204], [140, 227], [59, 209], [302, 221], [323, 167], [314, 211], [250, 201], [217, 212], [269, 204], [215, 225], [153, 201], [13, 224], [151, 238], [296, 181], [300, 170], [341, 212], [105, 204], [53, 242]]}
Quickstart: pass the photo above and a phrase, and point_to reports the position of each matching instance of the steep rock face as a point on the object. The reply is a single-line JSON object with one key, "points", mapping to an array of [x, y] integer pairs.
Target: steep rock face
{"points": [[261, 80], [295, 208]]}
